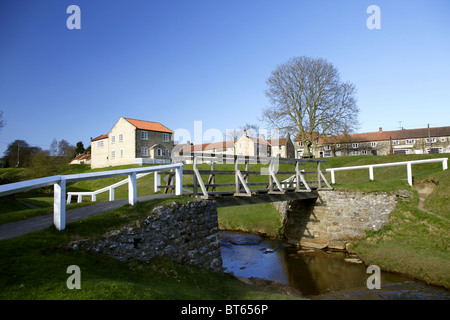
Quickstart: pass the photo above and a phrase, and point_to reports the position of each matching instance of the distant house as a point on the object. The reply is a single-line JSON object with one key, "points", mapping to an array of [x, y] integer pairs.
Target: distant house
{"points": [[132, 141], [82, 158], [405, 141], [282, 148], [250, 146], [244, 146], [224, 147]]}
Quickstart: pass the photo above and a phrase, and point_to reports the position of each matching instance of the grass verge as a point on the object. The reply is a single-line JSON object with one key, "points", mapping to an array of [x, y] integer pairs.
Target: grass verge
{"points": [[262, 219], [34, 266], [414, 242]]}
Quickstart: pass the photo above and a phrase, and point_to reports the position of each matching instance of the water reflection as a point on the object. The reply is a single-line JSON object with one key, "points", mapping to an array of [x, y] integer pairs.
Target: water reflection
{"points": [[316, 274]]}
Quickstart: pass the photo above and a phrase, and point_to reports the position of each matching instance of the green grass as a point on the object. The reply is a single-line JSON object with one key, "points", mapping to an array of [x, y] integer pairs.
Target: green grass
{"points": [[34, 267], [259, 218], [413, 242]]}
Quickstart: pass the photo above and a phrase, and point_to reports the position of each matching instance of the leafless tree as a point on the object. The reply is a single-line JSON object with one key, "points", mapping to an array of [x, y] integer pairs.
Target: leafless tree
{"points": [[307, 96], [251, 128], [2, 121]]}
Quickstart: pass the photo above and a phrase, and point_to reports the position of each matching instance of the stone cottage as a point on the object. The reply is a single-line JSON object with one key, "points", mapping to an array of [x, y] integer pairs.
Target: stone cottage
{"points": [[132, 141]]}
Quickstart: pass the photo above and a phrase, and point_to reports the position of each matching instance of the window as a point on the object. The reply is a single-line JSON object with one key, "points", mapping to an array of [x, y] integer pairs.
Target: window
{"points": [[355, 153], [434, 150], [410, 141], [113, 139], [300, 144], [373, 144], [167, 152], [144, 151], [431, 140], [338, 145], [166, 137], [355, 145], [401, 151], [327, 147], [363, 151], [159, 152], [443, 139], [338, 153], [120, 137], [113, 155], [327, 154], [100, 144], [395, 142], [121, 153], [144, 135]]}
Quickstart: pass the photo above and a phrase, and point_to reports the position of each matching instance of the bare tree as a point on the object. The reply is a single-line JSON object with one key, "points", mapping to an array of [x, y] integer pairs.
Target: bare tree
{"points": [[307, 96], [2, 121], [251, 128]]}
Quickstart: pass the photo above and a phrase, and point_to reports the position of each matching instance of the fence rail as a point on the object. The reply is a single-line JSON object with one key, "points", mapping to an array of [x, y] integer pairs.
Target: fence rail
{"points": [[408, 165], [60, 182], [242, 185]]}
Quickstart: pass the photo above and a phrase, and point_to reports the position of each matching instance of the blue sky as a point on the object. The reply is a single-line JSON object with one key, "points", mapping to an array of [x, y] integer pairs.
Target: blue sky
{"points": [[177, 62]]}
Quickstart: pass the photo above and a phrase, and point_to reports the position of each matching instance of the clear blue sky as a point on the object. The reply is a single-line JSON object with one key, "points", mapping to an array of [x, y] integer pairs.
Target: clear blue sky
{"points": [[176, 62]]}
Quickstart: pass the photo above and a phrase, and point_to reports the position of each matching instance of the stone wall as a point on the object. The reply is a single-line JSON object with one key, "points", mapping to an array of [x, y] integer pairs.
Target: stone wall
{"points": [[186, 233], [335, 217]]}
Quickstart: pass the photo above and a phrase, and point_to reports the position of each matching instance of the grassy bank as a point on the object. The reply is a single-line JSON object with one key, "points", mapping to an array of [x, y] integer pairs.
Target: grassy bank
{"points": [[260, 219], [34, 267], [414, 241]]}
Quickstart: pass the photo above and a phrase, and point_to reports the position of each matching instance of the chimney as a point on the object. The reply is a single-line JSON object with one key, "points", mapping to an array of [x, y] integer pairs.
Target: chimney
{"points": [[381, 129], [262, 137], [245, 132]]}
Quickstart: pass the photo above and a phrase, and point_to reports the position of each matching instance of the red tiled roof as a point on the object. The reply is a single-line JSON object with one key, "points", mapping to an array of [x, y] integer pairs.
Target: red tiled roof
{"points": [[148, 125], [388, 135], [208, 146], [103, 136], [82, 156], [298, 138], [278, 142], [259, 141]]}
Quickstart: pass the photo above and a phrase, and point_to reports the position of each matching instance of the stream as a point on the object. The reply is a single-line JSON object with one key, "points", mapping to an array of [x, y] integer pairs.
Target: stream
{"points": [[317, 274]]}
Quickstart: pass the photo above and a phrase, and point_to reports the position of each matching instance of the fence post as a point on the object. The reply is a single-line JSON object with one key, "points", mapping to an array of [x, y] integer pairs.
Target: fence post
{"points": [[59, 204], [319, 178], [179, 181], [111, 194], [132, 190], [371, 173], [333, 180], [445, 164], [157, 181], [409, 172]]}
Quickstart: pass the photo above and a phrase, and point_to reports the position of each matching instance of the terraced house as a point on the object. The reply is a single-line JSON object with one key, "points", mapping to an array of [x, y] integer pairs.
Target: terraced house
{"points": [[411, 141], [132, 141], [245, 146]]}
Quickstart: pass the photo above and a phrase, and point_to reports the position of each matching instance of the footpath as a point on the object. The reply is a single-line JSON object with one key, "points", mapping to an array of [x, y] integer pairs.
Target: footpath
{"points": [[18, 228]]}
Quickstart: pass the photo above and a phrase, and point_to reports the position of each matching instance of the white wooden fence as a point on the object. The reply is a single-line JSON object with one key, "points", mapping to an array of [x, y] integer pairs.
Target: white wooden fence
{"points": [[110, 189], [391, 164], [59, 183]]}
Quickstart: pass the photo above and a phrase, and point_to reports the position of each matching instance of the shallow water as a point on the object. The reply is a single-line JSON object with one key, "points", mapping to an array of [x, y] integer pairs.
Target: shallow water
{"points": [[317, 274]]}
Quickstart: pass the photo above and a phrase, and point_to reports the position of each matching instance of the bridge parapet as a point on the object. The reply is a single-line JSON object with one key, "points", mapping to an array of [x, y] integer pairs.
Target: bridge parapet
{"points": [[266, 179]]}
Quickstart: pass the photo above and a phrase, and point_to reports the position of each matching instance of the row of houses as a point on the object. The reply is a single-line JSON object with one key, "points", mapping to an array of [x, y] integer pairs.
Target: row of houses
{"points": [[404, 141], [245, 146], [132, 141]]}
